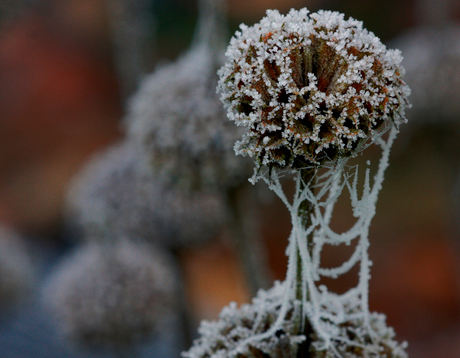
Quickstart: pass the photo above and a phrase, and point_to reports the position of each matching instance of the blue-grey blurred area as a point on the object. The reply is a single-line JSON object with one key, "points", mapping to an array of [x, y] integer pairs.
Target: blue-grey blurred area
{"points": [[66, 69], [28, 329]]}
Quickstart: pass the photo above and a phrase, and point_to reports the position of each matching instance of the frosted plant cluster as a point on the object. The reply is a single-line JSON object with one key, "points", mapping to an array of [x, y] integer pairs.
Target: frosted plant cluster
{"points": [[118, 193], [313, 90], [114, 294], [309, 88], [341, 325], [223, 338], [325, 311], [178, 117]]}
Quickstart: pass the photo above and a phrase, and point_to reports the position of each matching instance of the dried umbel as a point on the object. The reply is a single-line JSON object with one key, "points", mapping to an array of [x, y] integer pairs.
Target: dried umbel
{"points": [[117, 193], [310, 88], [112, 295]]}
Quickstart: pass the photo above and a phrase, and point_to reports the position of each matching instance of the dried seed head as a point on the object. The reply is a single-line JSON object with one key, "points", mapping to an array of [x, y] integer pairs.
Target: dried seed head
{"points": [[112, 296], [226, 337], [237, 330], [177, 115], [117, 193], [310, 87], [178, 118]]}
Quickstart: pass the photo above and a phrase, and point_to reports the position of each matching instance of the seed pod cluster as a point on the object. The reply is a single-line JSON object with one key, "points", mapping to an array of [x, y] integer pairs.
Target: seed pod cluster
{"points": [[113, 295], [309, 88]]}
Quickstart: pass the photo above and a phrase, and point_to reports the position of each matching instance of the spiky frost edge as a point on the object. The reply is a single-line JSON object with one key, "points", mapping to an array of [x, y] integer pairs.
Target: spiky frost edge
{"points": [[231, 335], [350, 33]]}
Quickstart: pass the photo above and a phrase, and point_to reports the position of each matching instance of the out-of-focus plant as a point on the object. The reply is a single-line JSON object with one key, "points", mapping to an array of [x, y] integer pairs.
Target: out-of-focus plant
{"points": [[432, 62], [17, 272], [176, 116], [115, 295], [118, 194]]}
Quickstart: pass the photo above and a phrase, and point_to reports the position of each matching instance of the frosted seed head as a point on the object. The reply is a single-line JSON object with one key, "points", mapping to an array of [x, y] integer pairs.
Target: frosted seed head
{"points": [[309, 88], [112, 296], [117, 193], [177, 116], [226, 337], [355, 341]]}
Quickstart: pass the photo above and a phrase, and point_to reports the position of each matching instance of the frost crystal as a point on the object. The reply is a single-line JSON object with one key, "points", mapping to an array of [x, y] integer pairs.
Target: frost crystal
{"points": [[117, 193], [112, 295], [231, 335], [314, 90], [309, 87]]}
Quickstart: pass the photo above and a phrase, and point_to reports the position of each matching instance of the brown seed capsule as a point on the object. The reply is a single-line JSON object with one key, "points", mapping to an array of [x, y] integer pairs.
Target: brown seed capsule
{"points": [[310, 88]]}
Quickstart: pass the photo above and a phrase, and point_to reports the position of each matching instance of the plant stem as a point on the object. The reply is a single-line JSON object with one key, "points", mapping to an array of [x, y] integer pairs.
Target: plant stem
{"points": [[307, 180], [247, 242]]}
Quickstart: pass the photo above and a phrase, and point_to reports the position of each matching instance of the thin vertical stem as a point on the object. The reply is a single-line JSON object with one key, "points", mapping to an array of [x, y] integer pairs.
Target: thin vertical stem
{"points": [[307, 180], [130, 24], [247, 240]]}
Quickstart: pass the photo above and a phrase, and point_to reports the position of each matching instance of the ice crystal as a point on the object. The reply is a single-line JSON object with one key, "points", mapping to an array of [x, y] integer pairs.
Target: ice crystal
{"points": [[177, 115], [247, 332], [309, 87], [355, 341], [325, 312], [118, 193], [112, 295], [231, 336], [313, 90], [17, 274]]}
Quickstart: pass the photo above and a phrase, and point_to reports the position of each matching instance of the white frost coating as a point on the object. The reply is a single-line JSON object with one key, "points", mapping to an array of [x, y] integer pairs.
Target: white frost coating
{"points": [[117, 193], [230, 336], [326, 311], [321, 89], [317, 86], [334, 318]]}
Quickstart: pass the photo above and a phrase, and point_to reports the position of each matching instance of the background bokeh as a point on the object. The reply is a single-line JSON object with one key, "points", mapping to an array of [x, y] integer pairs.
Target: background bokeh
{"points": [[62, 96]]}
